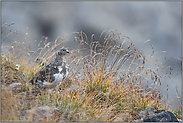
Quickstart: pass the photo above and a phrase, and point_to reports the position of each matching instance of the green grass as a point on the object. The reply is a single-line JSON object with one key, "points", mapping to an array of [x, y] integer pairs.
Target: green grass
{"points": [[110, 79]]}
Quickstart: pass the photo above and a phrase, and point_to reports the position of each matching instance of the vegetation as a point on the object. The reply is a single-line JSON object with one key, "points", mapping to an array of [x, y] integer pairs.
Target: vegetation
{"points": [[109, 80]]}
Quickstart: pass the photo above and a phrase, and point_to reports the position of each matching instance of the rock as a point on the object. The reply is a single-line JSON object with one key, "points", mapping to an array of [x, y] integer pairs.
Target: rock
{"points": [[14, 86], [150, 115], [39, 113], [166, 116]]}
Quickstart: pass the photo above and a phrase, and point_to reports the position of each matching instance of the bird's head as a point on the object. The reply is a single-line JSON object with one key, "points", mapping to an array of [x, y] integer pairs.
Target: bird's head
{"points": [[63, 52]]}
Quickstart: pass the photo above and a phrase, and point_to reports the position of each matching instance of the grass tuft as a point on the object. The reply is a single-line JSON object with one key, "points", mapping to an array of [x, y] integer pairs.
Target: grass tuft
{"points": [[109, 80]]}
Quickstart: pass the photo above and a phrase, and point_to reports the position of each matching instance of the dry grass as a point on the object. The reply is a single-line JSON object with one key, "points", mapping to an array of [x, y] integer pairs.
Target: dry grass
{"points": [[108, 81]]}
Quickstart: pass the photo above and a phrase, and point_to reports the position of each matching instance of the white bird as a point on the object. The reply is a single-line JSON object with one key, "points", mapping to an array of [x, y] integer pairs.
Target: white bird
{"points": [[52, 74]]}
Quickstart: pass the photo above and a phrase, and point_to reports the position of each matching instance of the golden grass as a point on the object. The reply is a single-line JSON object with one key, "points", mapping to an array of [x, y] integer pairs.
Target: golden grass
{"points": [[108, 81]]}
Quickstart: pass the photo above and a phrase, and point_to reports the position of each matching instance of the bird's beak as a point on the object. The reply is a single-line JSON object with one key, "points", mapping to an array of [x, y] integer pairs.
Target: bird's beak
{"points": [[67, 51]]}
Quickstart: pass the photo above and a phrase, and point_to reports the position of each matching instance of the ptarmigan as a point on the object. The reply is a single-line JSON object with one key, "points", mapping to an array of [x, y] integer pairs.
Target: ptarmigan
{"points": [[52, 74]]}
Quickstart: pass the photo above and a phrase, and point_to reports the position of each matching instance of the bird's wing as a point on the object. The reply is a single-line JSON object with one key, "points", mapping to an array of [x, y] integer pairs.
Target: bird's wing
{"points": [[45, 73]]}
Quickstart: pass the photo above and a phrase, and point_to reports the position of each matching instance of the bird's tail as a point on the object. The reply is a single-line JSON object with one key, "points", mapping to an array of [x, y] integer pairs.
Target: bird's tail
{"points": [[31, 81]]}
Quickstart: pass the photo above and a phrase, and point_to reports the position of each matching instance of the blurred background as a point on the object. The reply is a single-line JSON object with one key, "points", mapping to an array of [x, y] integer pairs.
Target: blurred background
{"points": [[159, 22]]}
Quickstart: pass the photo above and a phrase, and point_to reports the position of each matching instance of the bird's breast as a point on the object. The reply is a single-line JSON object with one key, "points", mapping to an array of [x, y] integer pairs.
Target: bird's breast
{"points": [[59, 76]]}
